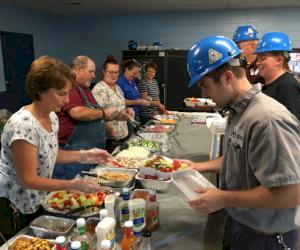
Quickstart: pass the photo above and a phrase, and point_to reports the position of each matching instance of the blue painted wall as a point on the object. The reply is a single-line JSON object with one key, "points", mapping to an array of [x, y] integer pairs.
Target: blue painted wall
{"points": [[98, 36]]}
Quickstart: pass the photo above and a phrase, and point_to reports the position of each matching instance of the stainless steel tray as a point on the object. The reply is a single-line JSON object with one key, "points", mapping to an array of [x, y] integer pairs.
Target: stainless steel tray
{"points": [[49, 227], [115, 183]]}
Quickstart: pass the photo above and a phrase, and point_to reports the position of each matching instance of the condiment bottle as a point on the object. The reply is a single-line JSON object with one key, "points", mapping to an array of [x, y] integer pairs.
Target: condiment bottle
{"points": [[129, 241], [105, 230], [105, 245], [110, 201], [123, 209], [60, 243], [76, 245], [146, 239], [137, 215], [152, 218], [103, 213], [82, 236]]}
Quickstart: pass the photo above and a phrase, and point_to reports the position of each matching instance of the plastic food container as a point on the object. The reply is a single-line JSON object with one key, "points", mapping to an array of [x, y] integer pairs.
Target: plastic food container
{"points": [[115, 183], [152, 184], [199, 102], [30, 242], [141, 193], [160, 128], [188, 180], [49, 227]]}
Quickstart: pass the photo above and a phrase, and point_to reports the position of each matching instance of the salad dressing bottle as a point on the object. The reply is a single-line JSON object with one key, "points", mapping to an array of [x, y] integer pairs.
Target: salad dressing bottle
{"points": [[123, 209], [82, 236]]}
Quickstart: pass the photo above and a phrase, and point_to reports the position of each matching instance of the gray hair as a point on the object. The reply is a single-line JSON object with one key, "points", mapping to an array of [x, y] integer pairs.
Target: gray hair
{"points": [[80, 62]]}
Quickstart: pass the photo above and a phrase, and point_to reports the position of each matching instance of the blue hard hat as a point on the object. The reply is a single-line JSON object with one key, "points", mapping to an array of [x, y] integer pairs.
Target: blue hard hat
{"points": [[208, 54], [274, 41], [133, 44], [245, 33]]}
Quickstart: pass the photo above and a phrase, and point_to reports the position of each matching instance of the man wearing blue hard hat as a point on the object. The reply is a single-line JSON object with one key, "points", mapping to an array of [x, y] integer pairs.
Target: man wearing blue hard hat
{"points": [[246, 39], [272, 62], [259, 170]]}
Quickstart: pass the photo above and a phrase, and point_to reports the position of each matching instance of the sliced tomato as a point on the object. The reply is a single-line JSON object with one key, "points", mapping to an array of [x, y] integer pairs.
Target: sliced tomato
{"points": [[57, 195], [67, 203], [176, 164]]}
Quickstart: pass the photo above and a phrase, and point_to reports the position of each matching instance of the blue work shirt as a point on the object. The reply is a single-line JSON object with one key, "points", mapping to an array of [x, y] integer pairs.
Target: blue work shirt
{"points": [[131, 92]]}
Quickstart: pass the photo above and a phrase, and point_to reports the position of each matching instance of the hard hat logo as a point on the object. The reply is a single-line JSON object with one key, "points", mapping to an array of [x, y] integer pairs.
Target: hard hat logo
{"points": [[213, 56], [250, 32]]}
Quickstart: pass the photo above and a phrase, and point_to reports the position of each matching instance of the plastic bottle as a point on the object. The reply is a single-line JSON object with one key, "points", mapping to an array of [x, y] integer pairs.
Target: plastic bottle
{"points": [[105, 245], [129, 241], [105, 230], [60, 243], [152, 220], [76, 245], [103, 213], [137, 215], [110, 202], [123, 209], [146, 240], [82, 235]]}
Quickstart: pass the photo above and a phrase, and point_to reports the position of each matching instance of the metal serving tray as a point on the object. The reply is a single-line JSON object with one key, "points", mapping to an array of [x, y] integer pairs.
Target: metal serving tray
{"points": [[112, 183], [50, 227]]}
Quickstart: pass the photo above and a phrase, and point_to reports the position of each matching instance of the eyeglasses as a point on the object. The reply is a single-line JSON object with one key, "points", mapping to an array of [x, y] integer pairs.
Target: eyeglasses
{"points": [[113, 72]]}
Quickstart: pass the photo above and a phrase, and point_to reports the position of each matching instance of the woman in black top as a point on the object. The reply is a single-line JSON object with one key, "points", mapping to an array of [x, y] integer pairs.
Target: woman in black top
{"points": [[272, 62]]}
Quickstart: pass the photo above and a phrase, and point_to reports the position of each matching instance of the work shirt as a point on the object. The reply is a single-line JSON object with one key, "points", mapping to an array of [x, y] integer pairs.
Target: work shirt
{"points": [[130, 91], [262, 145]]}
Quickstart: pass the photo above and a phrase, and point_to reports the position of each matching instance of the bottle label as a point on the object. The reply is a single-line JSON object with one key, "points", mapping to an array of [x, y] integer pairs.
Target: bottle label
{"points": [[155, 216], [125, 213], [84, 246], [81, 230], [138, 222]]}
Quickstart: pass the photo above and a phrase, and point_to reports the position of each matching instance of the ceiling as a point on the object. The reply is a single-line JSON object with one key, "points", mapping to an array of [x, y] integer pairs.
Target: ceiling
{"points": [[100, 7]]}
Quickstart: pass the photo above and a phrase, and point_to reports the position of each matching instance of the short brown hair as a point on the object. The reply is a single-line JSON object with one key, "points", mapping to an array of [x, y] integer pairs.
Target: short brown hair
{"points": [[285, 60], [151, 65], [80, 62], [45, 73], [238, 72]]}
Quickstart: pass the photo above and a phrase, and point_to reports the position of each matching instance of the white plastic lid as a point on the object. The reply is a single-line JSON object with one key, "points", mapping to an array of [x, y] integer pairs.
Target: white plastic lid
{"points": [[125, 190], [105, 244], [60, 239], [75, 245], [103, 213], [152, 192], [128, 224], [80, 222]]}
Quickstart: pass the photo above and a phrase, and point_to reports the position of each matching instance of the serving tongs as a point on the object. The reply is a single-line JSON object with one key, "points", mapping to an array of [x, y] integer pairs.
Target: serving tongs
{"points": [[94, 175], [134, 123]]}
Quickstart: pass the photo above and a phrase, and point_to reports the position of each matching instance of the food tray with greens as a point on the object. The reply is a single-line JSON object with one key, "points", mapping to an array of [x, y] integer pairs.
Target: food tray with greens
{"points": [[148, 144]]}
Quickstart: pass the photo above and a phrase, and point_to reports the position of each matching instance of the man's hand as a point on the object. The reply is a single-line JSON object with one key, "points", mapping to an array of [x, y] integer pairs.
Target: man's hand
{"points": [[210, 200], [110, 113]]}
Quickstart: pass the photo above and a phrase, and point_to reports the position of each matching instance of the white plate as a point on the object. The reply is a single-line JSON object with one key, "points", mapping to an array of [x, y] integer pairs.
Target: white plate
{"points": [[188, 180]]}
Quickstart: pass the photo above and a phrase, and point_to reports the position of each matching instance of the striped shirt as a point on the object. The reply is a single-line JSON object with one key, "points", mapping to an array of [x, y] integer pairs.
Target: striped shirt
{"points": [[152, 91]]}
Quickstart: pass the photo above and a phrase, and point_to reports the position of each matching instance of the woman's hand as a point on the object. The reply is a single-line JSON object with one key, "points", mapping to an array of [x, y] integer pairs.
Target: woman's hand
{"points": [[143, 102], [95, 155], [84, 185]]}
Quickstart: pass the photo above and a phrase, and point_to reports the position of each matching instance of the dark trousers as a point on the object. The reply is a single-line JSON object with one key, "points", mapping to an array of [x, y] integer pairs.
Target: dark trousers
{"points": [[240, 237], [12, 221]]}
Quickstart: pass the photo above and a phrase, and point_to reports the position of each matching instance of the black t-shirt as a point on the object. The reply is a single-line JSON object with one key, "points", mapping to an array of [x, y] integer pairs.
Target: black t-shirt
{"points": [[286, 90]]}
